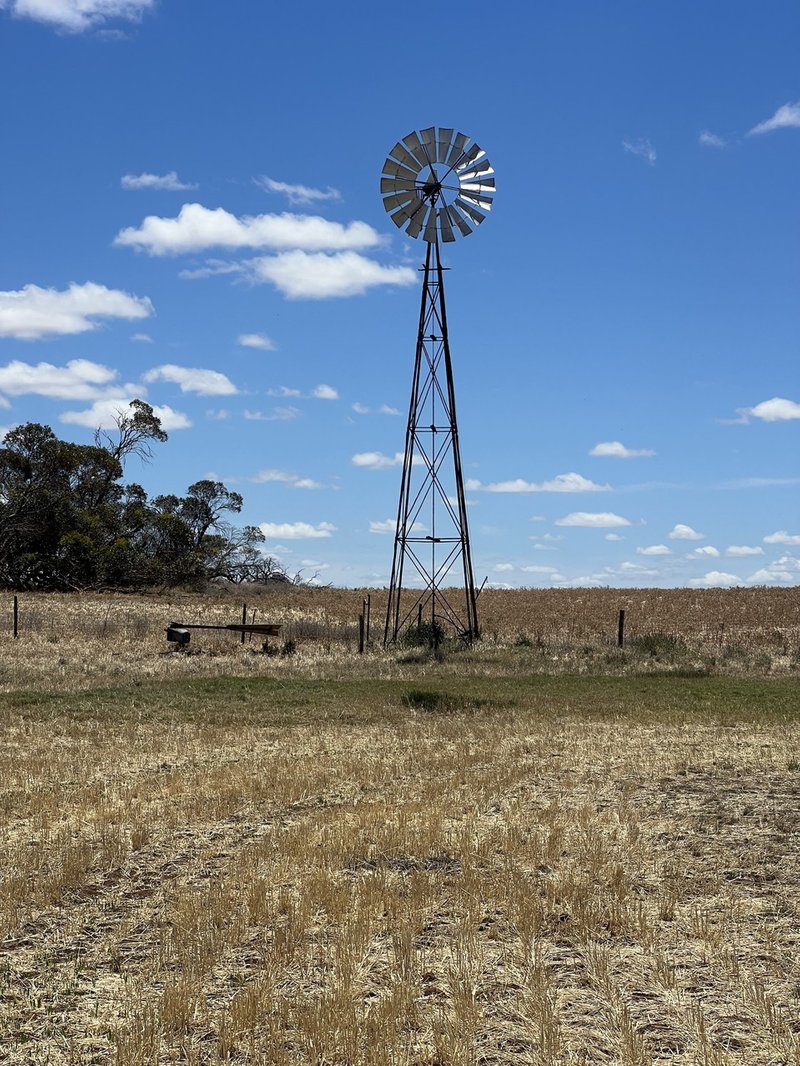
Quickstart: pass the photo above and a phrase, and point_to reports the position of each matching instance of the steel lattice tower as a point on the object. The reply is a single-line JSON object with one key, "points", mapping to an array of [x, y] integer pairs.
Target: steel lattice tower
{"points": [[434, 181]]}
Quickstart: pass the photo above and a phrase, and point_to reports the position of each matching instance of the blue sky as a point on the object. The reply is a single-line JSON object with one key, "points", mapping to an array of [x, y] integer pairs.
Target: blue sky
{"points": [[190, 214]]}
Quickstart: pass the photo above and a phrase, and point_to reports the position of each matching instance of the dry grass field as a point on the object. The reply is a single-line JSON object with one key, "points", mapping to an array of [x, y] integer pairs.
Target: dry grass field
{"points": [[539, 851]]}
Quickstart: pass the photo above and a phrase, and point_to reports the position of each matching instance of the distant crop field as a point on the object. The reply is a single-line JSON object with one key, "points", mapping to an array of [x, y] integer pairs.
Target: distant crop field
{"points": [[82, 640], [541, 849]]}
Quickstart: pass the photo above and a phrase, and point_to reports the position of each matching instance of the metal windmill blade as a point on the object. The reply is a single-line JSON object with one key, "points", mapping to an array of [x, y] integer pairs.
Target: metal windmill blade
{"points": [[437, 184]]}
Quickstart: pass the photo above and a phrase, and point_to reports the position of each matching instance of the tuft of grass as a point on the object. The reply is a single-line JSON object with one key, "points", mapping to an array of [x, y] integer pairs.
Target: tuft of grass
{"points": [[663, 646], [432, 701], [423, 634]]}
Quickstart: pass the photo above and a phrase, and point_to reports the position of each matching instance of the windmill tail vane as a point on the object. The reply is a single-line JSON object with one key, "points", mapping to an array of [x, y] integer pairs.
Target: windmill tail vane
{"points": [[435, 183]]}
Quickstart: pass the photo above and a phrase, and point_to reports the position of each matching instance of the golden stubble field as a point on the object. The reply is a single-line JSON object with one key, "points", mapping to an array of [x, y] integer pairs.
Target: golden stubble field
{"points": [[333, 860]]}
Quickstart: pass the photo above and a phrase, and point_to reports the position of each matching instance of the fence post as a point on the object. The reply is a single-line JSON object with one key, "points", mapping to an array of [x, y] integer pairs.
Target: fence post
{"points": [[244, 619], [16, 617], [361, 633], [252, 622], [621, 630], [368, 606], [419, 617]]}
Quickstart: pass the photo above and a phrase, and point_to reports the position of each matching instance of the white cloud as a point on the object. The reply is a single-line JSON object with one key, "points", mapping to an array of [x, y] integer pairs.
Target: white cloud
{"points": [[642, 148], [385, 409], [360, 409], [169, 182], [218, 415], [633, 568], [389, 525], [789, 562], [710, 140], [775, 410], [504, 568], [80, 379], [786, 117], [284, 391], [213, 268], [297, 194], [278, 414], [596, 520], [142, 338], [256, 340], [771, 577], [535, 569], [759, 482], [654, 549], [615, 449], [286, 477], [197, 227], [32, 312], [377, 460], [78, 15], [782, 571], [317, 276], [193, 379], [782, 537], [708, 551], [613, 536], [560, 483], [742, 550], [103, 414], [683, 532], [301, 275], [715, 579], [325, 392], [296, 530], [264, 476]]}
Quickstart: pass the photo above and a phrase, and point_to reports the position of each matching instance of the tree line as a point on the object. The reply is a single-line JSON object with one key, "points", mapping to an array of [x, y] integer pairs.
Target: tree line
{"points": [[68, 522]]}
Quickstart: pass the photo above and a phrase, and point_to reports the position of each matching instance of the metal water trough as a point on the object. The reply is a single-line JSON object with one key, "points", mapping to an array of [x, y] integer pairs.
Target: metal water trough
{"points": [[180, 632]]}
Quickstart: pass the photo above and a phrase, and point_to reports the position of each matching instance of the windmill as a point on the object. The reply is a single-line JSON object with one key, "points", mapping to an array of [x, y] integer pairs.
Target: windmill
{"points": [[435, 184]]}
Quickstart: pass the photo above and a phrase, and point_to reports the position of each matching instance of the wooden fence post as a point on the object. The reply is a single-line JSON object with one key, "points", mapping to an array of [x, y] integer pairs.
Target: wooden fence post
{"points": [[244, 619], [621, 630], [361, 633], [16, 617], [368, 612]]}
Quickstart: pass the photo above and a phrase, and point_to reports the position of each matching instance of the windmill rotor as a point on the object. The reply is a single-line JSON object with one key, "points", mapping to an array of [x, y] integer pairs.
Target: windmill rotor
{"points": [[437, 183]]}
